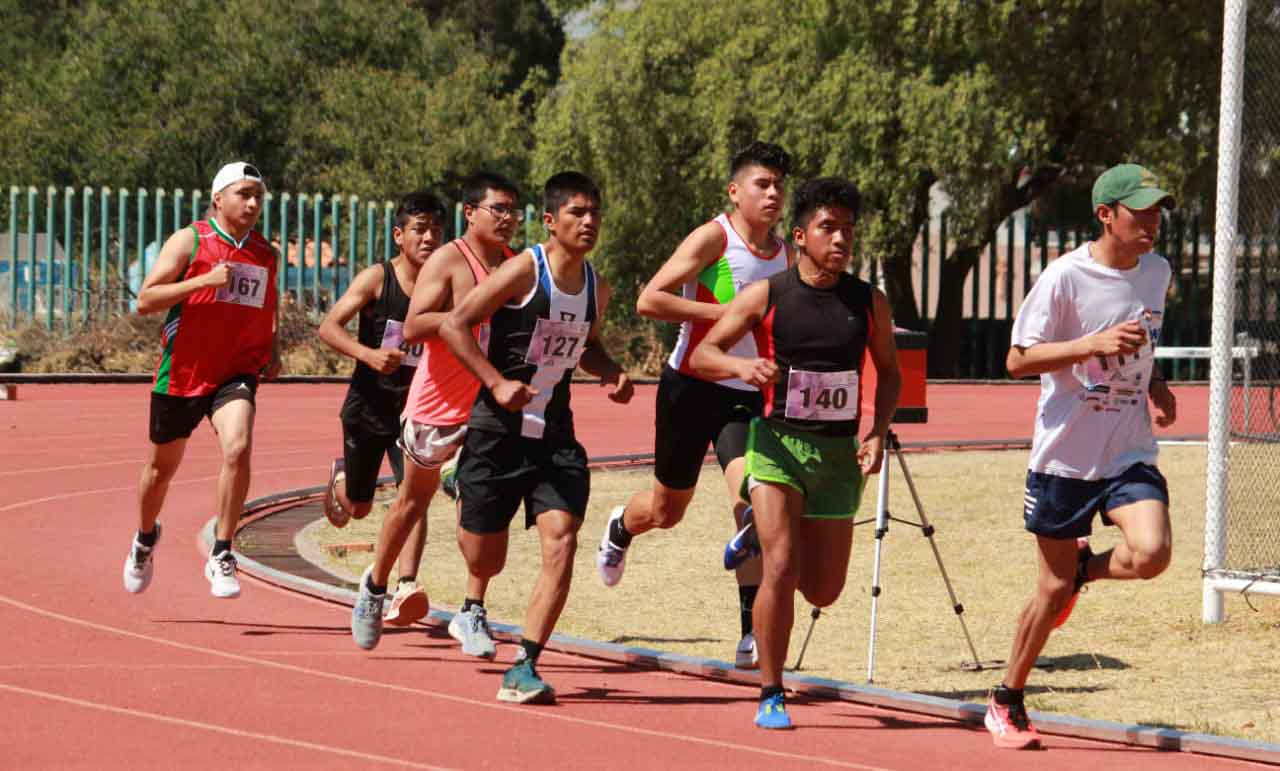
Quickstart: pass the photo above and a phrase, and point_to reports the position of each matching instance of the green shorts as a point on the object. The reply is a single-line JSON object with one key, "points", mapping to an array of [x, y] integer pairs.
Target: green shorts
{"points": [[824, 468]]}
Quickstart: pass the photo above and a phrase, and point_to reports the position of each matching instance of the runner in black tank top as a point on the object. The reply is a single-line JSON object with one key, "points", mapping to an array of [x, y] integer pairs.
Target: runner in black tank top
{"points": [[805, 466]]}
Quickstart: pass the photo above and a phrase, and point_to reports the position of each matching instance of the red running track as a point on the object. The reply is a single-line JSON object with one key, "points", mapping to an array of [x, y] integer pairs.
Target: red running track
{"points": [[91, 677]]}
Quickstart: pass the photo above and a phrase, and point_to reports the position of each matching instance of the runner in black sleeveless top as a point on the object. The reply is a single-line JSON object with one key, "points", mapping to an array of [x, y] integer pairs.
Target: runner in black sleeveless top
{"points": [[805, 466], [380, 382]]}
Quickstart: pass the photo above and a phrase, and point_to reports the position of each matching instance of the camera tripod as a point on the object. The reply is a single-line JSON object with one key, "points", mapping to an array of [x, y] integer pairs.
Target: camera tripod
{"points": [[882, 518]]}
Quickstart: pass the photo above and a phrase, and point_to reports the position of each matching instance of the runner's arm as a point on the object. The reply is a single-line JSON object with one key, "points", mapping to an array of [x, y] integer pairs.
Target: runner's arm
{"points": [[363, 290], [596, 360], [433, 293], [884, 356], [1122, 339], [514, 278], [658, 300], [162, 290], [711, 359]]}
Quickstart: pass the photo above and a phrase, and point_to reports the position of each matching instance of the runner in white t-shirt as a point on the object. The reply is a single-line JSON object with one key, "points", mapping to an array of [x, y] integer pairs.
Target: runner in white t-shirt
{"points": [[1089, 328]]}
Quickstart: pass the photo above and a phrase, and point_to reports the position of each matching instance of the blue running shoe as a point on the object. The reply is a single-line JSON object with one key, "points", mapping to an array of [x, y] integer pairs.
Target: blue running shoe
{"points": [[522, 685], [773, 713], [744, 545]]}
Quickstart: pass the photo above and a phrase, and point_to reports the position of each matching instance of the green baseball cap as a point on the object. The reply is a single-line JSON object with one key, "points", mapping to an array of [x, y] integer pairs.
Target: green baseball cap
{"points": [[1131, 185]]}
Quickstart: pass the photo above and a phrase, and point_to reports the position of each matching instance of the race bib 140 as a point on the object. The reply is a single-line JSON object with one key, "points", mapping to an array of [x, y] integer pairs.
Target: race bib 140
{"points": [[822, 395]]}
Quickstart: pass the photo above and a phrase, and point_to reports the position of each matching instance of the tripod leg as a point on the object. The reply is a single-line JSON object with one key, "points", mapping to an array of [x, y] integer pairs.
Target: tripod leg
{"points": [[927, 529], [813, 619], [882, 527]]}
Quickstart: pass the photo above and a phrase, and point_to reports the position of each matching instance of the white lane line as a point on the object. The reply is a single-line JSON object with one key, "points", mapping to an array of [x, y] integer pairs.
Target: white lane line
{"points": [[217, 728], [139, 460], [123, 667], [490, 705]]}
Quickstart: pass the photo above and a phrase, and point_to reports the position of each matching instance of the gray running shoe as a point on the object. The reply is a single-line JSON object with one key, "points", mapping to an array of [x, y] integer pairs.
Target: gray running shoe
{"points": [[139, 566], [366, 616], [471, 628]]}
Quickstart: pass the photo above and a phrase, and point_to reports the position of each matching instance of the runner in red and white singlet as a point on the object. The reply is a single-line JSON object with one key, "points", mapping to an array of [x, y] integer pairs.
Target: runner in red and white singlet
{"points": [[217, 280]]}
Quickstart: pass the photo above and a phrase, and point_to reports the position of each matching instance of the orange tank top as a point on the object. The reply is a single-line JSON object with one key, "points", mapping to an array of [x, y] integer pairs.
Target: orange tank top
{"points": [[443, 390]]}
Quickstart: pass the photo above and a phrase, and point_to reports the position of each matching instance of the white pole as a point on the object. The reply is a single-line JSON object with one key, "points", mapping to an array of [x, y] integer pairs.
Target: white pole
{"points": [[1229, 115]]}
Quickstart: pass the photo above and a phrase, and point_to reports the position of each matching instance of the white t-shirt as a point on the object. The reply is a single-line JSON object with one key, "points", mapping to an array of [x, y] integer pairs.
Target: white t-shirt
{"points": [[1092, 421]]}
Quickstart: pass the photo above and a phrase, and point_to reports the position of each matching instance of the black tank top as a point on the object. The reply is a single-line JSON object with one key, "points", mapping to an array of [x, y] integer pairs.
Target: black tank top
{"points": [[814, 330], [374, 400]]}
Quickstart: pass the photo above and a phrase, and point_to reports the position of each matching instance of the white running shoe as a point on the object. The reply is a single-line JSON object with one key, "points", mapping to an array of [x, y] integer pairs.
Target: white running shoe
{"points": [[139, 566], [221, 572], [746, 656], [471, 628], [408, 604], [611, 559], [366, 614]]}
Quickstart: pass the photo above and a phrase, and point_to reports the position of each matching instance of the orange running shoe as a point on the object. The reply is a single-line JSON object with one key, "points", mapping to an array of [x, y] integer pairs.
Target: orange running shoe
{"points": [[1083, 555], [1010, 727]]}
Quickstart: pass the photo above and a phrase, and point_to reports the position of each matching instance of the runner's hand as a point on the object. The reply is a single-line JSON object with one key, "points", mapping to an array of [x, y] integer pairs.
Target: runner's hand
{"points": [[622, 389], [513, 395], [757, 372], [384, 360], [871, 454], [1166, 405], [219, 275], [1120, 340]]}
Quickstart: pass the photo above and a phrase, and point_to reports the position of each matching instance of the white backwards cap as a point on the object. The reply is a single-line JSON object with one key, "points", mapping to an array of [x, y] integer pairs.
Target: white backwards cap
{"points": [[234, 172]]}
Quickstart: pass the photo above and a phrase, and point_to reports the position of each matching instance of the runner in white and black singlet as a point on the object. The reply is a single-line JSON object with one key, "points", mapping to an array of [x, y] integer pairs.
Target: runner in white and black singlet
{"points": [[544, 308], [384, 368], [693, 287], [805, 468]]}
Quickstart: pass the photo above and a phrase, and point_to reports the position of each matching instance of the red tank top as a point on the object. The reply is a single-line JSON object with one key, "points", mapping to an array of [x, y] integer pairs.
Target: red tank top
{"points": [[219, 333]]}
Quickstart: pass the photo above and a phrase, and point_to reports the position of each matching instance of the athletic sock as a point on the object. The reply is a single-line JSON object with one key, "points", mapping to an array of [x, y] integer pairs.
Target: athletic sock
{"points": [[746, 601], [219, 546], [470, 603], [770, 690], [1007, 696], [618, 534], [532, 650], [408, 579], [374, 588], [148, 539]]}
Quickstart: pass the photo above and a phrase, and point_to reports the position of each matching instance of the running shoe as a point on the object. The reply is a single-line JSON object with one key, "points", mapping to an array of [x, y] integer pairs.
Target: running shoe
{"points": [[337, 516], [220, 569], [1010, 727], [139, 566], [744, 545], [522, 685], [611, 559], [1083, 555], [449, 479], [408, 604], [366, 616], [471, 628], [772, 713], [746, 656]]}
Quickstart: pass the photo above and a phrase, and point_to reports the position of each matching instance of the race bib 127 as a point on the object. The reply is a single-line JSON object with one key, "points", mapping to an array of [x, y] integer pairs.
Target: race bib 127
{"points": [[557, 344]]}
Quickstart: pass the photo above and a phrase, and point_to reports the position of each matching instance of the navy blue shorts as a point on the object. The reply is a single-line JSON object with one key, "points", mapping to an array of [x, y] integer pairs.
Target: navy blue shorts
{"points": [[1060, 507]]}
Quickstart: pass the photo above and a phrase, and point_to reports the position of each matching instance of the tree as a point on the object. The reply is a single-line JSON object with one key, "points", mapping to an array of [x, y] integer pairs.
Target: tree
{"points": [[995, 100]]}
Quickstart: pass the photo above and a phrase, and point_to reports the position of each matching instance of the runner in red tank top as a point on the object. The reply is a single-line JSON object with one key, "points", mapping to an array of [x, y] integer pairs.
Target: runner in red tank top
{"points": [[217, 280], [439, 401]]}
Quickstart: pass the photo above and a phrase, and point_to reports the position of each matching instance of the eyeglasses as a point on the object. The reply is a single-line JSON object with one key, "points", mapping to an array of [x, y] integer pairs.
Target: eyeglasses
{"points": [[501, 212]]}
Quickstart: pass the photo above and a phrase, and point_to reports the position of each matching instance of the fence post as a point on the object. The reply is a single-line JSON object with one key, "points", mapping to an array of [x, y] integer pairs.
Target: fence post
{"points": [[299, 284], [197, 211], [264, 222], [353, 217], [86, 212], [335, 211], [50, 198], [104, 224], [13, 255], [68, 202], [283, 278], [178, 195], [457, 220], [369, 213], [317, 213], [122, 227], [142, 238], [388, 216], [31, 252]]}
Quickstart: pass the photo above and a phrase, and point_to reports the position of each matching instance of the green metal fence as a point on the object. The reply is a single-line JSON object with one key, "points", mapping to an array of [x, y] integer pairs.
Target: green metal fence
{"points": [[73, 255]]}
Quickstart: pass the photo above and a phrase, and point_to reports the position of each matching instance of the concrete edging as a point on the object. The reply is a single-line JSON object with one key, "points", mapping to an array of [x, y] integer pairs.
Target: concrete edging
{"points": [[966, 712]]}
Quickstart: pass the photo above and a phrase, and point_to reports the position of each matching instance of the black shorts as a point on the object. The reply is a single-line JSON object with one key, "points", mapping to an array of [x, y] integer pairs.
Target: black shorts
{"points": [[175, 417], [692, 414], [498, 471], [1059, 507], [362, 452]]}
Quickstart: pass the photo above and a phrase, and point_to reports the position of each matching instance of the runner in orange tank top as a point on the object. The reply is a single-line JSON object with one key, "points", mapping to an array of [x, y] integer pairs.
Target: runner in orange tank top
{"points": [[439, 400], [217, 280]]}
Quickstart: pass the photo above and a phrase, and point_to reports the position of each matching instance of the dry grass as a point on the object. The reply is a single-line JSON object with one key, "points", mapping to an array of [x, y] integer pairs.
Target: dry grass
{"points": [[1132, 652]]}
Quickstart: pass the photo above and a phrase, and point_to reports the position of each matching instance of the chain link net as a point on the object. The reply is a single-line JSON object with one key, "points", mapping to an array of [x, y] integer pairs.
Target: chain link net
{"points": [[1253, 486]]}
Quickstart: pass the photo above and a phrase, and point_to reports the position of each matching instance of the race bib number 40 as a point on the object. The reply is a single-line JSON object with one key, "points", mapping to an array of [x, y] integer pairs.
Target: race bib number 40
{"points": [[248, 285], [393, 337], [822, 395], [557, 344]]}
